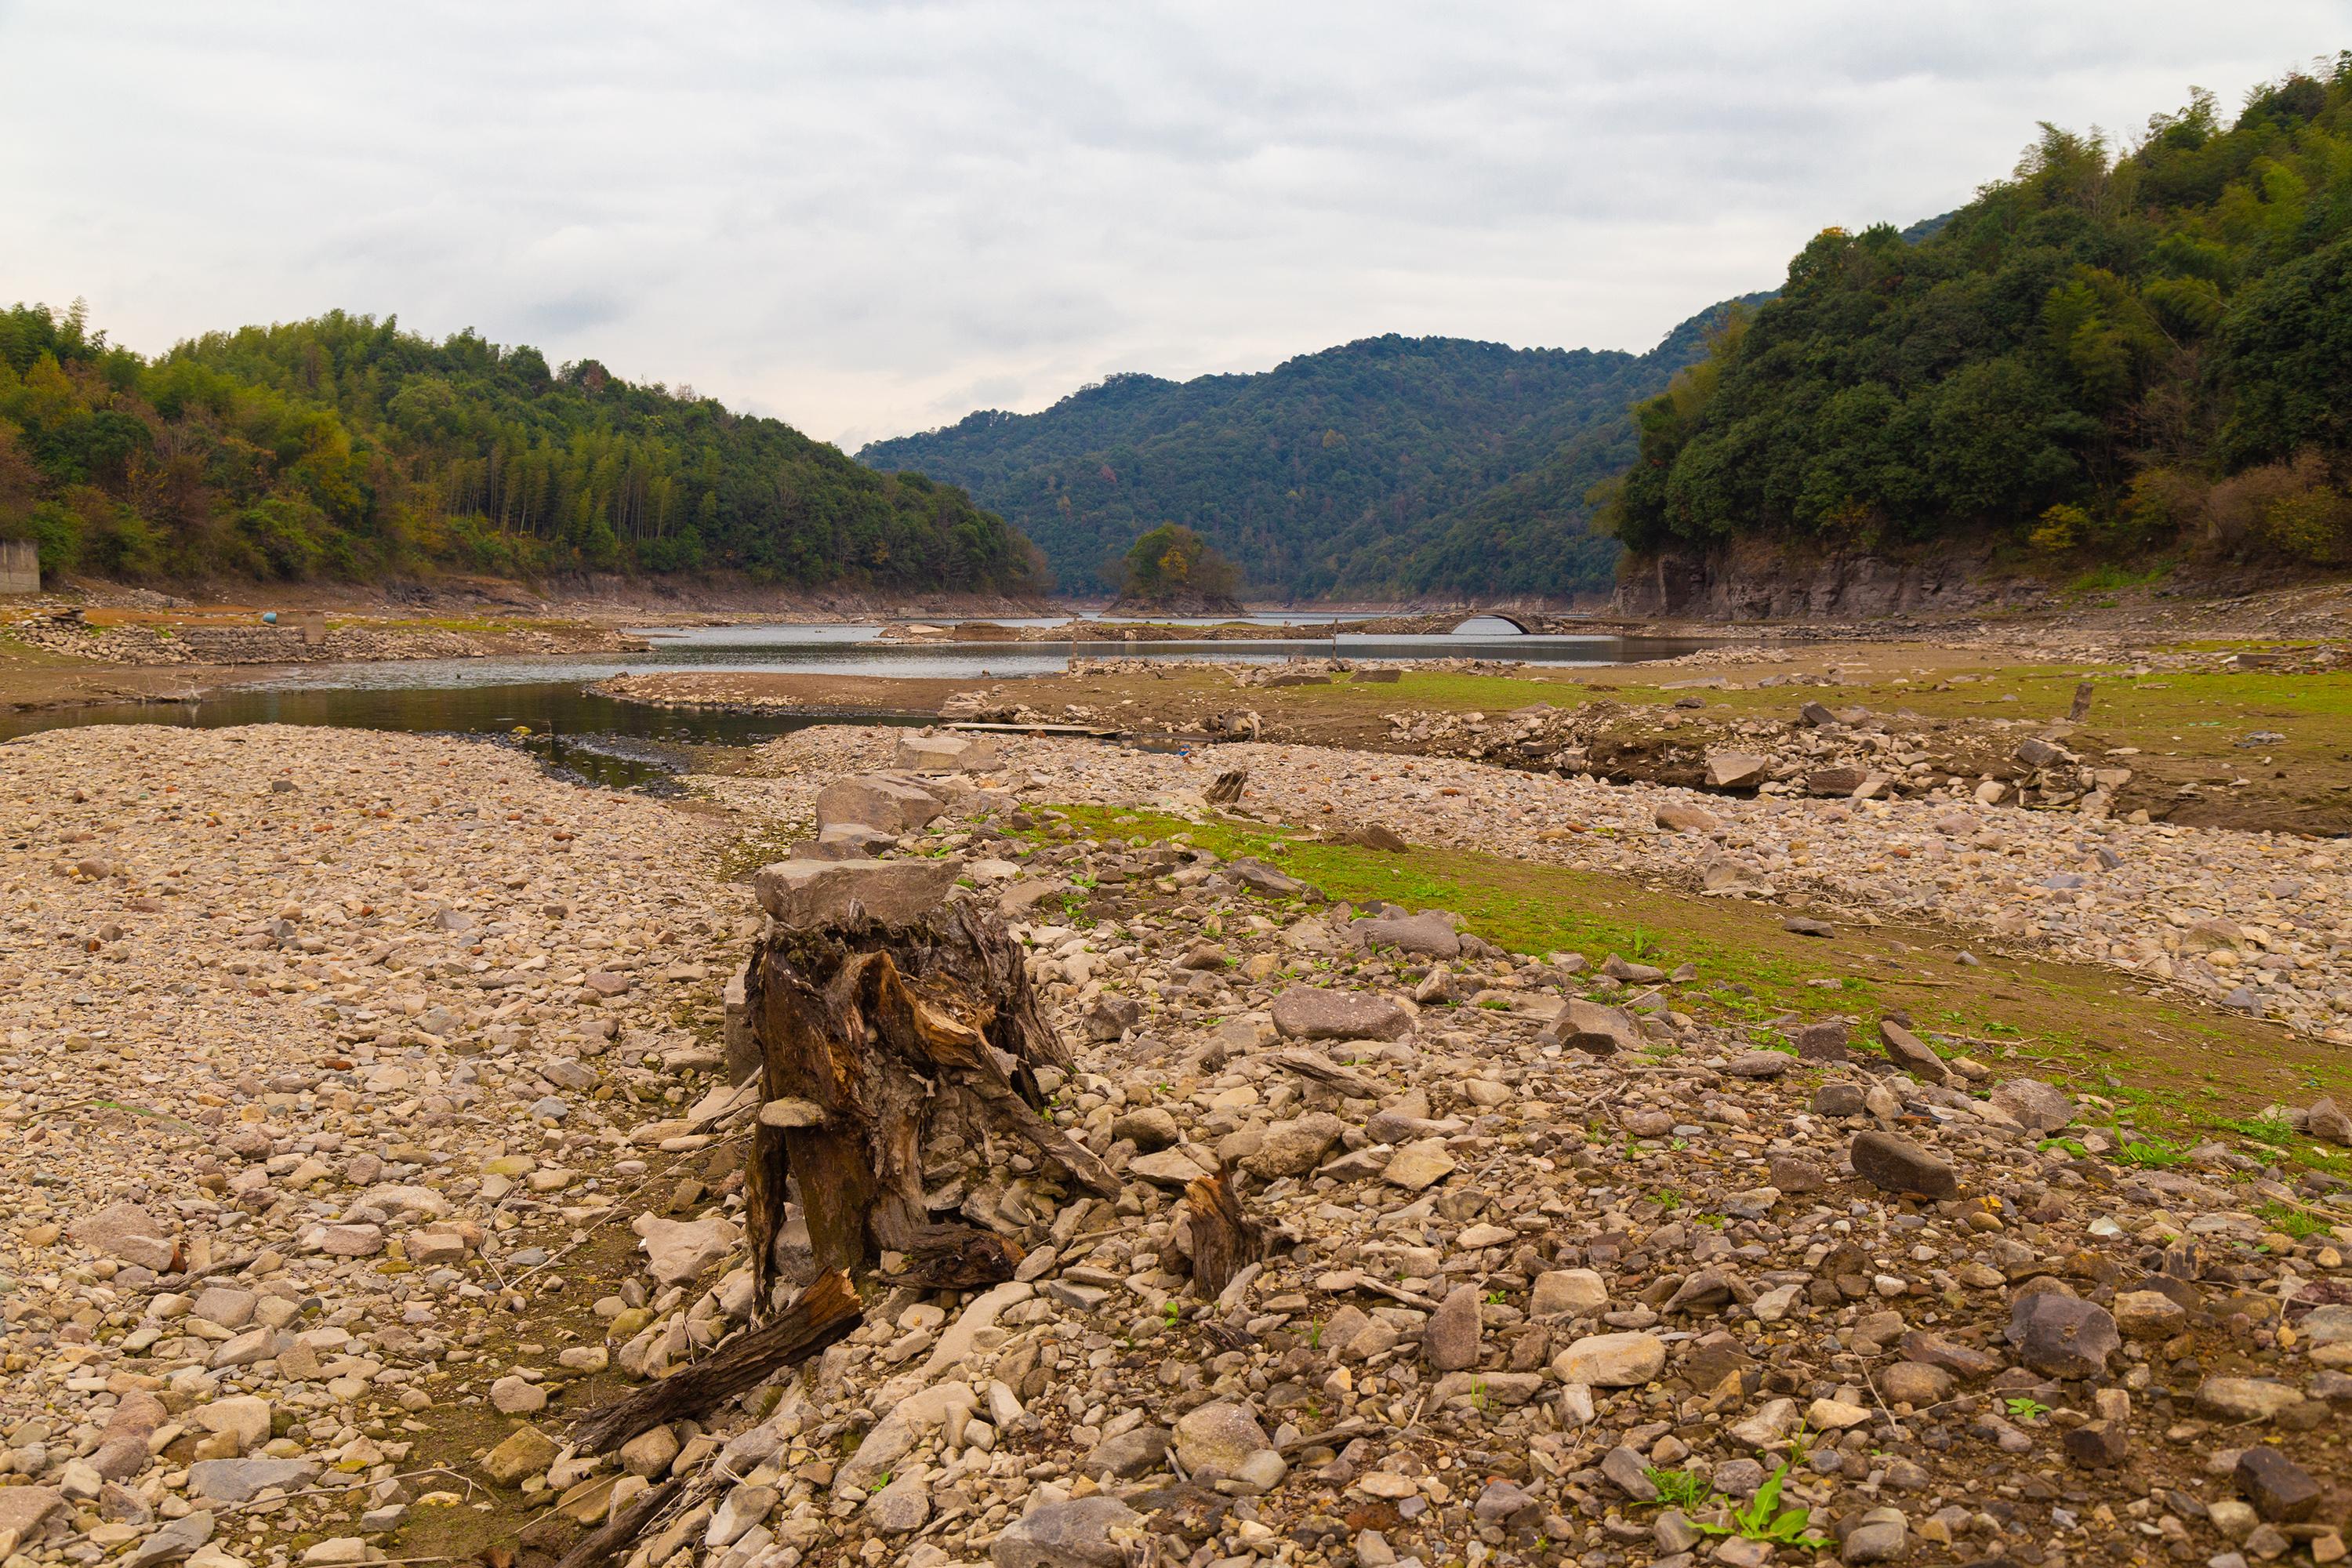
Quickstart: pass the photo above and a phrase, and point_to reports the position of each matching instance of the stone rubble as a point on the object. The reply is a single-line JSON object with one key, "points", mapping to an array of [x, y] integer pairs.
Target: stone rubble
{"points": [[321, 1053], [1573, 1278], [2259, 922]]}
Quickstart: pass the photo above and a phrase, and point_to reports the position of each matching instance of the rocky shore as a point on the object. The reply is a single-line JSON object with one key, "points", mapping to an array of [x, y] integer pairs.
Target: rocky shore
{"points": [[321, 1053], [66, 632], [371, 1122]]}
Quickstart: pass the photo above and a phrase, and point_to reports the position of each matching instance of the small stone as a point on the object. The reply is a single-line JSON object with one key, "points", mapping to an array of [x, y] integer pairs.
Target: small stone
{"points": [[514, 1397], [241, 1417], [2247, 1398], [1825, 1041], [126, 1233], [1895, 1164], [1137, 1451], [1418, 1164], [810, 895], [1083, 1532], [1596, 1030], [1312, 1012], [2281, 1490], [1735, 769], [677, 1251], [1150, 1128], [2098, 1445], [650, 1453], [2036, 1105], [902, 1506], [1881, 1536], [240, 1480], [1219, 1437], [1629, 1471], [2148, 1315], [1839, 1099], [174, 1541], [527, 1451], [2063, 1336], [1294, 1148], [1915, 1384], [2327, 1123], [1612, 1360], [1912, 1054], [1451, 1339], [742, 1508], [1568, 1292]]}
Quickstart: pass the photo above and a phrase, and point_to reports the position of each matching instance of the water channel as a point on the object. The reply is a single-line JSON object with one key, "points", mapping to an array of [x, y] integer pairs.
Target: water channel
{"points": [[542, 703]]}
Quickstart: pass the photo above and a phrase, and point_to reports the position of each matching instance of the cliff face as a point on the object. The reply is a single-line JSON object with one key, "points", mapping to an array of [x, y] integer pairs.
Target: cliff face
{"points": [[1755, 580]]}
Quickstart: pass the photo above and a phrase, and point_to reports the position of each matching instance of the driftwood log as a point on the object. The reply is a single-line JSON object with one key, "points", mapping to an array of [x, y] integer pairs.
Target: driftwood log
{"points": [[898, 1054], [618, 1533], [824, 1312]]}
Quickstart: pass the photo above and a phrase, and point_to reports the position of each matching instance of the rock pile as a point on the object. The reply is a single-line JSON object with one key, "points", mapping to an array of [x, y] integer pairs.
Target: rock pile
{"points": [[1529, 1299], [2256, 921]]}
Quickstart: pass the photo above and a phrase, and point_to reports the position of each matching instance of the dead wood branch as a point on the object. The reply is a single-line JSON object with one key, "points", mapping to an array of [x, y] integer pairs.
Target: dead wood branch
{"points": [[616, 1534], [826, 1311]]}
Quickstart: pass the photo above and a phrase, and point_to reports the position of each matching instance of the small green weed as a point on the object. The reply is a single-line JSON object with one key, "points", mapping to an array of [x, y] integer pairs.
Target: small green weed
{"points": [[1679, 1488], [2023, 1408], [1762, 1518], [2287, 1217]]}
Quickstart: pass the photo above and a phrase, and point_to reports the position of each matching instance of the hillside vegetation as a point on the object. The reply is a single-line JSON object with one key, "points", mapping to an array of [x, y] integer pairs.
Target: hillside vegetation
{"points": [[344, 446], [2108, 356], [1391, 464]]}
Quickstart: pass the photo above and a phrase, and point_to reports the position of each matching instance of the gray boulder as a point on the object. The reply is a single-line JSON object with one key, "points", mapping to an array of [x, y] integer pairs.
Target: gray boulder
{"points": [[804, 895], [1895, 1164], [2063, 1336], [1083, 1532], [889, 805], [1428, 932], [1311, 1012]]}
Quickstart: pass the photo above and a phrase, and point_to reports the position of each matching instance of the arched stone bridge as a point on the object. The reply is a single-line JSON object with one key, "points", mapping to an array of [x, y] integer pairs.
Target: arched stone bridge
{"points": [[1532, 623]]}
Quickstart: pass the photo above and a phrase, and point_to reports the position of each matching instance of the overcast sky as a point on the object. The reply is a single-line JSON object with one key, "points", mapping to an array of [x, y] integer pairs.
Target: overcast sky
{"points": [[870, 218]]}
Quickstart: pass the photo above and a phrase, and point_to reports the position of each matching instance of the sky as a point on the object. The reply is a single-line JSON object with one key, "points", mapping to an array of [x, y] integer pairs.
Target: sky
{"points": [[871, 219]]}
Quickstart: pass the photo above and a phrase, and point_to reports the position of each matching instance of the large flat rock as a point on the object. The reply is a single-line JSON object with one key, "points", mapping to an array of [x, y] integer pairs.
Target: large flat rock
{"points": [[806, 894]]}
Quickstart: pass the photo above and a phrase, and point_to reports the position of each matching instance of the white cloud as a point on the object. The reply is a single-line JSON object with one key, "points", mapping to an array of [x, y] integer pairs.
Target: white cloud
{"points": [[869, 219]]}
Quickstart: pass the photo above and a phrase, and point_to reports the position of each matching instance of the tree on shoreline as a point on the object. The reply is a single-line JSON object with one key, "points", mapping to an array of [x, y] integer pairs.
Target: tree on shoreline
{"points": [[1172, 563]]}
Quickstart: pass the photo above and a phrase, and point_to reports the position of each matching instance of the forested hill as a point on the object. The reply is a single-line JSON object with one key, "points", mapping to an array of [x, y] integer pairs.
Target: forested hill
{"points": [[344, 446], [1389, 465], [2103, 358]]}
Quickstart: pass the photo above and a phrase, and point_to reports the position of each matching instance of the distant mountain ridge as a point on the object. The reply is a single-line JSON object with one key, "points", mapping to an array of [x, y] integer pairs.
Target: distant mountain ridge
{"points": [[1384, 466]]}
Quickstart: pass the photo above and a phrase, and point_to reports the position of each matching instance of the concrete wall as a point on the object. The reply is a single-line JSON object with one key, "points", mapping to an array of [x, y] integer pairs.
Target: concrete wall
{"points": [[20, 566]]}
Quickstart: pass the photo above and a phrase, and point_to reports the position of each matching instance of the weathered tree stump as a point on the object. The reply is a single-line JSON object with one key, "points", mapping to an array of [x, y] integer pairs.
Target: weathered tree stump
{"points": [[898, 1038], [1225, 1240]]}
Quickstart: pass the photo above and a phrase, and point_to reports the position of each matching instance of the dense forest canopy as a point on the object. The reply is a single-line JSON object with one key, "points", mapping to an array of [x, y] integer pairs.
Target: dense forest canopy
{"points": [[2107, 354], [1391, 464], [344, 447]]}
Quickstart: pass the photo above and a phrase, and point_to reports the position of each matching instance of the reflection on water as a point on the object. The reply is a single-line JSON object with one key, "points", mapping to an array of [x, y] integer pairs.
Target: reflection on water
{"points": [[852, 651], [574, 732]]}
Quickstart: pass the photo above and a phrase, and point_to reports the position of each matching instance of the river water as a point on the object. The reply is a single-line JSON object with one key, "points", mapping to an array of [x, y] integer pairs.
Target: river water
{"points": [[542, 703]]}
